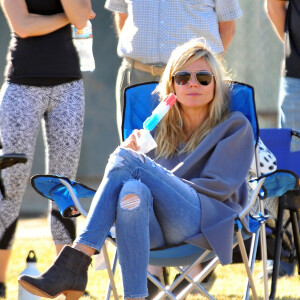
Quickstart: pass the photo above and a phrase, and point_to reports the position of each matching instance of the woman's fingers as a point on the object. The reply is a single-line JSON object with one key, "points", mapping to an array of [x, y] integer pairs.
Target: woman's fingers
{"points": [[93, 15], [131, 141]]}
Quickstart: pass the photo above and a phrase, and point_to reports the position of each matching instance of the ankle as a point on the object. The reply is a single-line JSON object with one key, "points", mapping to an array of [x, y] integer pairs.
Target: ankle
{"points": [[84, 249], [155, 271]]}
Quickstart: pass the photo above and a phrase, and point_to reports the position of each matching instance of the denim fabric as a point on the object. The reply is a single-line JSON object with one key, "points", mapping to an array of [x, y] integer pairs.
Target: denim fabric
{"points": [[167, 212], [289, 106]]}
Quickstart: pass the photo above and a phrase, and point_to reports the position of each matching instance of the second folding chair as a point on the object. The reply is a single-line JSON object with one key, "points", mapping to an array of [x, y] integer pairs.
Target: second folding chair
{"points": [[279, 142]]}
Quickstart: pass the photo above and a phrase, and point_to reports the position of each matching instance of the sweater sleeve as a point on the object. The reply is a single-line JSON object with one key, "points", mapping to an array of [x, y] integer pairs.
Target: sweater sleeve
{"points": [[228, 165]]}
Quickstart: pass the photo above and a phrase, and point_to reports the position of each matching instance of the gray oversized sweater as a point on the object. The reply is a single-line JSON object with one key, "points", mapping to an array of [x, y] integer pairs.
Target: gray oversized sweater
{"points": [[217, 169]]}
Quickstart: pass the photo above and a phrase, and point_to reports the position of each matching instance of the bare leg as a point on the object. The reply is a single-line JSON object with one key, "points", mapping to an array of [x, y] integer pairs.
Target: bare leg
{"points": [[155, 270], [4, 260], [58, 248], [85, 249]]}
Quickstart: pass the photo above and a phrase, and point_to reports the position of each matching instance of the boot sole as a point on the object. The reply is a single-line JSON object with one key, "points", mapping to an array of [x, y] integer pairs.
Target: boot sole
{"points": [[70, 295]]}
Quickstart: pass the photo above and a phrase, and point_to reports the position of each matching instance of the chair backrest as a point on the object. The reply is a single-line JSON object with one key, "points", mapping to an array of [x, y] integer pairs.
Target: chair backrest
{"points": [[278, 140], [139, 102]]}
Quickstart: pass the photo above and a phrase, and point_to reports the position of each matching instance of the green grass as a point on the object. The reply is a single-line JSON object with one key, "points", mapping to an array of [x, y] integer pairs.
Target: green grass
{"points": [[34, 234]]}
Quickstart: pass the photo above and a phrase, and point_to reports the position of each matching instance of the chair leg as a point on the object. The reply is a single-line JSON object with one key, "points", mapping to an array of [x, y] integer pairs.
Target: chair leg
{"points": [[198, 279], [252, 257], [277, 253], [296, 234], [163, 290], [246, 263], [194, 282], [264, 257], [111, 272]]}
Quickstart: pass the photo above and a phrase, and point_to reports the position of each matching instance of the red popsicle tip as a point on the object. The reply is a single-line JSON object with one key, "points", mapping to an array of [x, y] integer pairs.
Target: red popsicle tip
{"points": [[170, 99]]}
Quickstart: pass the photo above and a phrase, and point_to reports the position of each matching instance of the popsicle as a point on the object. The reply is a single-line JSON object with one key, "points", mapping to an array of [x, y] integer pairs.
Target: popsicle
{"points": [[158, 113], [146, 141]]}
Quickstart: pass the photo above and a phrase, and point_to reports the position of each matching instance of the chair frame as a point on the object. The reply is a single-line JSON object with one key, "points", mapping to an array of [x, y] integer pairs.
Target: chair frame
{"points": [[9, 160]]}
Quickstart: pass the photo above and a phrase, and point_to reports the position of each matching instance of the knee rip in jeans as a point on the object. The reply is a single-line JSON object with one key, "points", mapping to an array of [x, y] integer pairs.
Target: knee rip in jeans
{"points": [[130, 202]]}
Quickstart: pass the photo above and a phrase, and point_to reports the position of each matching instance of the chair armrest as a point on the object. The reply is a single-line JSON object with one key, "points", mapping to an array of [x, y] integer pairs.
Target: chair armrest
{"points": [[10, 159], [253, 198], [65, 192], [296, 133], [73, 196]]}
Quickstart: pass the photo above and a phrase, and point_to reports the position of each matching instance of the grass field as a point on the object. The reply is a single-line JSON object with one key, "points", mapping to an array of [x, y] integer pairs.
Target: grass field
{"points": [[34, 234]]}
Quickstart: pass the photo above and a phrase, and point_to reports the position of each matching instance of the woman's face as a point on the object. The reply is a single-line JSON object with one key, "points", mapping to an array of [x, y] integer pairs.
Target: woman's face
{"points": [[193, 94]]}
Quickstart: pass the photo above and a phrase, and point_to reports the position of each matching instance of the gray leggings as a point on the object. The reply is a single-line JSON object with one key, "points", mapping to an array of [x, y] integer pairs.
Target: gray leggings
{"points": [[61, 109]]}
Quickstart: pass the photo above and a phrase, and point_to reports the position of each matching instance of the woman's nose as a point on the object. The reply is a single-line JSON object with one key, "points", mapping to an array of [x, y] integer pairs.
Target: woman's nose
{"points": [[193, 81]]}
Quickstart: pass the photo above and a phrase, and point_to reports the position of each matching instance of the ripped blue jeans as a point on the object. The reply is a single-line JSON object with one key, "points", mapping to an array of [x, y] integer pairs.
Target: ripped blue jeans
{"points": [[150, 208]]}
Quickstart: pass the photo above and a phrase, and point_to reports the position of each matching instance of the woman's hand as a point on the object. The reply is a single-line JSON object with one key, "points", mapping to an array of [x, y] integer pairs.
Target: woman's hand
{"points": [[131, 141], [78, 12], [92, 15]]}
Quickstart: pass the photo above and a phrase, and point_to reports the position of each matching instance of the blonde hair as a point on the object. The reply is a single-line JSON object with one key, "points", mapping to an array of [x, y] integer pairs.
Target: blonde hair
{"points": [[169, 133]]}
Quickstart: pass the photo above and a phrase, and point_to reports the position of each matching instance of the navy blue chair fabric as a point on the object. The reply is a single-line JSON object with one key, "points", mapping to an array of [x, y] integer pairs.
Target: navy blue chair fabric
{"points": [[278, 183], [278, 140], [139, 102]]}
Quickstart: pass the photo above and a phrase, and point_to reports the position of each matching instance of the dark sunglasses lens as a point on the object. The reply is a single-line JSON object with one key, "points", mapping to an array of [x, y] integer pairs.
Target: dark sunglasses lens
{"points": [[204, 78], [182, 78]]}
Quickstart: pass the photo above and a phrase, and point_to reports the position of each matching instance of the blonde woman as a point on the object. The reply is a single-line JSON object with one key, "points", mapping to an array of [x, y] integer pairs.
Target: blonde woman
{"points": [[210, 151]]}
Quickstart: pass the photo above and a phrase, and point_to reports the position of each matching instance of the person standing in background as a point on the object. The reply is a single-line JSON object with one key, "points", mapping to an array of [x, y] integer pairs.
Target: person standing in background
{"points": [[150, 30], [285, 18], [42, 82]]}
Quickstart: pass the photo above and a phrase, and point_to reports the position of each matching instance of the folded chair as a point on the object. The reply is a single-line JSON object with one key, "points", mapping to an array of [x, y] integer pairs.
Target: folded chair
{"points": [[139, 103], [8, 160], [279, 142]]}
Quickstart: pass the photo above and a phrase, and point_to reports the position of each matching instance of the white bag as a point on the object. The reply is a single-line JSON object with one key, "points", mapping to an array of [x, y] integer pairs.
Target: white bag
{"points": [[267, 160]]}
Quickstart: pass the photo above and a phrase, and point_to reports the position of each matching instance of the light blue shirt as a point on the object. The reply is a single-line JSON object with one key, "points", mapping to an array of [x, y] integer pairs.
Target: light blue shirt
{"points": [[154, 28]]}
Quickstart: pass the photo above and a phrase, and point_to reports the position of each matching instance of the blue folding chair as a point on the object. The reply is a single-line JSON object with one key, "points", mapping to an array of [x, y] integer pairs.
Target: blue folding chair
{"points": [[139, 103], [279, 142], [137, 108]]}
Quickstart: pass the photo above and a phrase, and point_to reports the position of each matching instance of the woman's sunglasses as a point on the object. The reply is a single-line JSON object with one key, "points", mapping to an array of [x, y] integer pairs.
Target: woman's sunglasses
{"points": [[183, 77]]}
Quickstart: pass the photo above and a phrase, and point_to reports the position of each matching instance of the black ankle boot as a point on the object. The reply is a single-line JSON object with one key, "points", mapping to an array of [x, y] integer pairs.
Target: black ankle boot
{"points": [[2, 290], [67, 275]]}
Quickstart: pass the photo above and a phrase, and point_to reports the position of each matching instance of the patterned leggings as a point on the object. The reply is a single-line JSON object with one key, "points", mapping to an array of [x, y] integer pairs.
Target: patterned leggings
{"points": [[22, 107]]}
